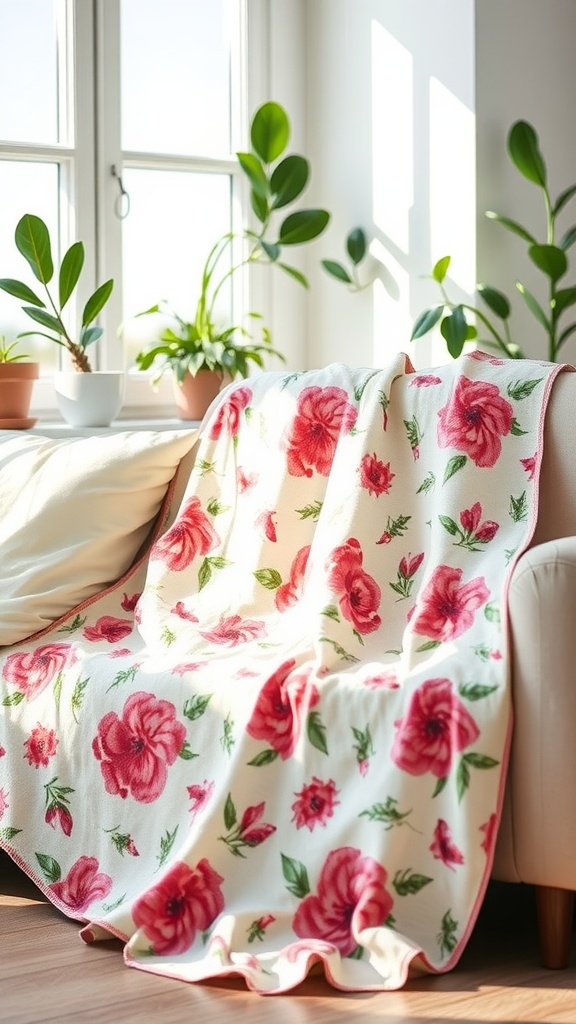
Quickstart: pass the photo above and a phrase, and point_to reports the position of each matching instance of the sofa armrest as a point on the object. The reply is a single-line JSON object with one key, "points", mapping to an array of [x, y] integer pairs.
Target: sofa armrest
{"points": [[540, 809]]}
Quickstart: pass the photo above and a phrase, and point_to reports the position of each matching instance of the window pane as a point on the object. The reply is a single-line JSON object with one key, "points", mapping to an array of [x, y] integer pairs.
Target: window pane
{"points": [[28, 71], [32, 188], [176, 75], [175, 218]]}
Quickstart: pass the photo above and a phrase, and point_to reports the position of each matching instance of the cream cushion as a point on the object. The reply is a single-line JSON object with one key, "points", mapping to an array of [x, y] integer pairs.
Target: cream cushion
{"points": [[74, 513]]}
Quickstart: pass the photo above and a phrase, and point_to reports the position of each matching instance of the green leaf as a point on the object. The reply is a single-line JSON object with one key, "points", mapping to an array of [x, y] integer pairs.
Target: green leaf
{"points": [[272, 249], [230, 818], [429, 645], [296, 877], [568, 239], [204, 573], [495, 300], [186, 752], [475, 691], [316, 732], [195, 706], [440, 269], [549, 259], [96, 302], [45, 318], [70, 270], [20, 291], [303, 226], [426, 321], [480, 760], [533, 305], [269, 578], [440, 784], [263, 758], [462, 779], [356, 245], [407, 883], [260, 206], [449, 525], [523, 388], [518, 510], [296, 274], [255, 172], [336, 270], [269, 131], [50, 867], [9, 832], [331, 612], [564, 298], [564, 198], [454, 329], [512, 226], [14, 699], [33, 241], [88, 335], [525, 153], [516, 429], [289, 179], [455, 464]]}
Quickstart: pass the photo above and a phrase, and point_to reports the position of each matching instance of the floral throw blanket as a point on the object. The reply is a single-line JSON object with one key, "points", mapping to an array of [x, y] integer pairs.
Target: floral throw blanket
{"points": [[283, 739]]}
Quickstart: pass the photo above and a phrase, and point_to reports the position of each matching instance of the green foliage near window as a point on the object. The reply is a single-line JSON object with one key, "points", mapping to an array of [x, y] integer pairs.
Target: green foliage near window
{"points": [[276, 180], [549, 255], [356, 245], [9, 353], [33, 242]]}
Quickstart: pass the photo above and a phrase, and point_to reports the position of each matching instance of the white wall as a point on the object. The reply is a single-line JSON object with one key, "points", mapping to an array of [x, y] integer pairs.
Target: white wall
{"points": [[408, 105]]}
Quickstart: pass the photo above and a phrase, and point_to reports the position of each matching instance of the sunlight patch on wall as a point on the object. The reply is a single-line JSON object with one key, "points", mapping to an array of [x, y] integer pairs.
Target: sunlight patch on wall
{"points": [[392, 136], [390, 318], [453, 184]]}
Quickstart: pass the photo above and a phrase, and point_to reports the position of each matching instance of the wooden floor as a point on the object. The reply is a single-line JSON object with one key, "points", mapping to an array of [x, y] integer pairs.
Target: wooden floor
{"points": [[48, 974]]}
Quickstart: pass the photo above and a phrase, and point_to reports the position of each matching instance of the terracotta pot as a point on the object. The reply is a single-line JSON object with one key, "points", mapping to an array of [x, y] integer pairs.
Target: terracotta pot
{"points": [[194, 395], [16, 384]]}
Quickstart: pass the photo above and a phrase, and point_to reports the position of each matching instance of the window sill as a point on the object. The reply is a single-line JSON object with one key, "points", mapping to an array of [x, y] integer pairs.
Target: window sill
{"points": [[53, 428]]}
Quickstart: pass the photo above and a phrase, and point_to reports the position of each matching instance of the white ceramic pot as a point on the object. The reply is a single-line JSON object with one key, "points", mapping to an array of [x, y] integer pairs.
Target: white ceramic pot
{"points": [[90, 399]]}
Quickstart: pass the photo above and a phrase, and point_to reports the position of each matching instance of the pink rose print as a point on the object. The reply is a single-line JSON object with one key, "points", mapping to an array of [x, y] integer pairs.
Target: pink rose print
{"points": [[443, 848], [485, 357], [129, 603], [489, 829], [266, 525], [120, 652], [82, 886], [315, 803], [182, 612], [186, 901], [447, 606], [191, 534], [2, 752], [358, 593], [234, 630], [250, 832], [59, 816], [108, 628], [474, 419], [352, 895], [136, 749], [382, 681], [227, 417], [183, 667], [4, 805], [322, 415], [245, 480], [436, 726], [31, 672], [474, 530], [257, 929], [200, 796], [40, 746], [281, 708], [530, 465], [289, 593], [375, 475], [425, 380]]}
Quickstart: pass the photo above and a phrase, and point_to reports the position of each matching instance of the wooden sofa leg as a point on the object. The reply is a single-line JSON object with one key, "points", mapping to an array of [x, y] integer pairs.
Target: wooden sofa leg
{"points": [[554, 908]]}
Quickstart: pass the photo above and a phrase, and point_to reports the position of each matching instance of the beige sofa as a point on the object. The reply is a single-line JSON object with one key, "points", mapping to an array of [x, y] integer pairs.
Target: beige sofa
{"points": [[537, 837]]}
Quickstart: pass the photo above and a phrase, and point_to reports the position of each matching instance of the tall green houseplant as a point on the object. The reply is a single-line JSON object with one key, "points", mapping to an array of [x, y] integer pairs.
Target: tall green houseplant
{"points": [[549, 255]]}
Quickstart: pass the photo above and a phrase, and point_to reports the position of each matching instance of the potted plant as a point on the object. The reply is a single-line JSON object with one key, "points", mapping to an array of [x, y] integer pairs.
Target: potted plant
{"points": [[549, 256], [193, 349], [17, 376], [85, 397]]}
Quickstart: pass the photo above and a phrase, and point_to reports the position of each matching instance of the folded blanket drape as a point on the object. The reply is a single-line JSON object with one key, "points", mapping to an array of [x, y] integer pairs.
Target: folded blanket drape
{"points": [[283, 740]]}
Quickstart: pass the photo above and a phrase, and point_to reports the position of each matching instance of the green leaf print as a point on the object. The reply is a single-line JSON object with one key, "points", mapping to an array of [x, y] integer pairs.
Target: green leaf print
{"points": [[8, 833], [269, 578], [13, 700], [227, 740], [430, 645], [296, 877], [263, 758], [523, 388], [439, 786], [127, 675], [331, 612], [215, 508], [230, 817], [475, 691], [316, 732], [166, 843], [186, 752], [518, 510], [516, 429], [311, 511], [209, 563], [408, 883], [78, 697], [50, 867], [492, 611], [195, 706], [388, 814], [428, 483], [447, 936], [168, 636], [360, 388], [71, 627], [450, 525], [455, 464]]}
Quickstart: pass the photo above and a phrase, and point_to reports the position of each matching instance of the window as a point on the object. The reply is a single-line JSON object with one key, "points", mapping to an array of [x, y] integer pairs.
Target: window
{"points": [[122, 133]]}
